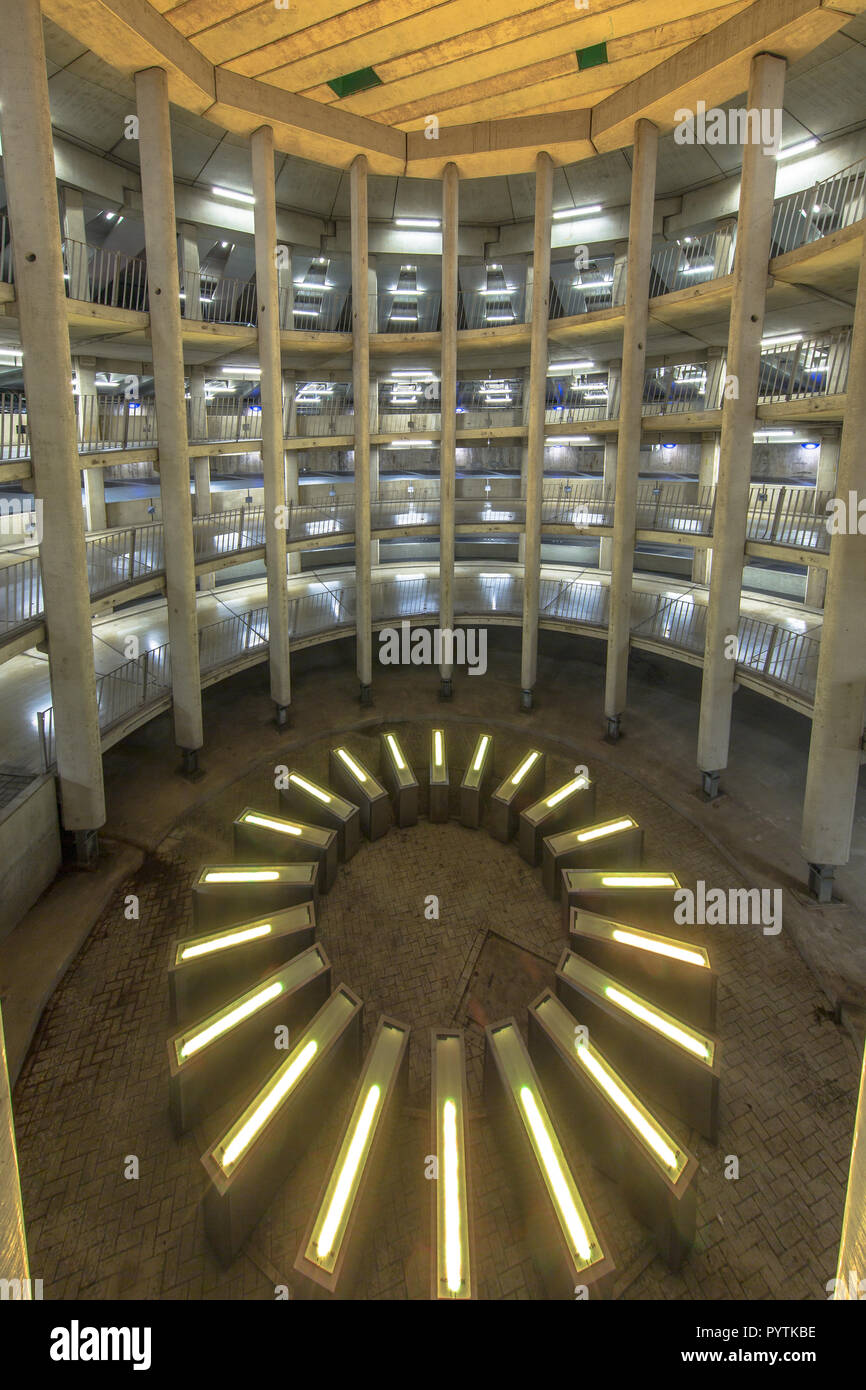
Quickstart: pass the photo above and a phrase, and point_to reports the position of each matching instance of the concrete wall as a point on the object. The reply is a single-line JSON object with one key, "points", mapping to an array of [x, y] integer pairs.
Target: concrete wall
{"points": [[29, 850]]}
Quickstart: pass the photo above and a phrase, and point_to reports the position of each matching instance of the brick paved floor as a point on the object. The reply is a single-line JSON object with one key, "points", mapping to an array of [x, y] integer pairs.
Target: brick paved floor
{"points": [[94, 1089]]}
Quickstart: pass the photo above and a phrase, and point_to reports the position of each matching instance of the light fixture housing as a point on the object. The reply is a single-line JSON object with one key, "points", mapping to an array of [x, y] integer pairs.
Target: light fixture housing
{"points": [[476, 780], [572, 805], [517, 791], [642, 896], [353, 779], [452, 1266], [224, 893], [320, 805], [260, 835], [400, 780], [617, 843]]}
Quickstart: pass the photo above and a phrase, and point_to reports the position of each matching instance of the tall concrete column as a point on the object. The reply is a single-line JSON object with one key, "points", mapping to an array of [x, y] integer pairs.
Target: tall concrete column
{"points": [[157, 189], [285, 285], [825, 481], [835, 752], [524, 461], [75, 231], [374, 461], [723, 253], [702, 560], [290, 456], [95, 517], [201, 463], [614, 386], [766, 92], [31, 186], [448, 402], [527, 302], [640, 232], [271, 384], [620, 275], [535, 424], [189, 266], [361, 393]]}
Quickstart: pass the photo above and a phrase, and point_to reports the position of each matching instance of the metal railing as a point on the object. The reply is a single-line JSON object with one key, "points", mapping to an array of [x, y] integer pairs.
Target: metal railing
{"points": [[405, 312], [586, 290], [480, 310], [795, 516], [818, 366], [212, 298], [7, 270], [675, 390], [98, 276], [784, 659], [690, 261], [803, 217]]}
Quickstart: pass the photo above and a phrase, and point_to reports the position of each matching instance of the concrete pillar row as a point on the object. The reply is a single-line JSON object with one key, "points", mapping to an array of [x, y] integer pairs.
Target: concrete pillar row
{"points": [[640, 232], [766, 92], [95, 515], [39, 286], [835, 751], [448, 404], [271, 386], [825, 482], [361, 393], [75, 230], [535, 424], [157, 192]]}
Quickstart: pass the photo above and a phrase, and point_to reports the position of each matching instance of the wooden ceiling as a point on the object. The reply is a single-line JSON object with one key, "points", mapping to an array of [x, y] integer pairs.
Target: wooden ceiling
{"points": [[498, 75]]}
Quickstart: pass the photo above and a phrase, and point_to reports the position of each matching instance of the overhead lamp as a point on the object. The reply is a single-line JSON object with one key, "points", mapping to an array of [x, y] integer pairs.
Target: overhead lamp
{"points": [[240, 370], [427, 224], [605, 284], [566, 368], [569, 439], [425, 375], [232, 194], [780, 338], [800, 148], [569, 214]]}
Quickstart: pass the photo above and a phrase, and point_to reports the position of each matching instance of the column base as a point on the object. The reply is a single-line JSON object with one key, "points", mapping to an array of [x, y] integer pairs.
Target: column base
{"points": [[613, 727], [189, 767], [81, 848], [366, 695], [445, 689], [710, 785], [821, 882], [526, 700], [281, 716]]}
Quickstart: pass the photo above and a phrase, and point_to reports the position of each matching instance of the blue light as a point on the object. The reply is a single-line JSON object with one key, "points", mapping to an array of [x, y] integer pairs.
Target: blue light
{"points": [[810, 446], [669, 446]]}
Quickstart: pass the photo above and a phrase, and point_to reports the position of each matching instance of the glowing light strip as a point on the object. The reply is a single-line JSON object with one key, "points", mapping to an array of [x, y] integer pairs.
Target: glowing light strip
{"points": [[451, 1165], [661, 1025], [437, 748], [521, 772], [599, 831], [659, 948], [242, 876], [351, 764], [308, 787], [395, 751], [279, 1089], [359, 1143], [268, 823], [555, 1176], [577, 783], [649, 1133], [638, 881], [233, 939], [222, 1025], [479, 756]]}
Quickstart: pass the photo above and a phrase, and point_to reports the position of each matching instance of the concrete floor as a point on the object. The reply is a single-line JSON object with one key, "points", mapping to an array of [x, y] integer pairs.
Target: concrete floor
{"points": [[94, 1086]]}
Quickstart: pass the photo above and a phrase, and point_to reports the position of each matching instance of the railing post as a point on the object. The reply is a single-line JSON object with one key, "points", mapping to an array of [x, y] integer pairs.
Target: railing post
{"points": [[145, 661], [131, 567], [240, 532], [777, 513], [771, 650], [43, 749]]}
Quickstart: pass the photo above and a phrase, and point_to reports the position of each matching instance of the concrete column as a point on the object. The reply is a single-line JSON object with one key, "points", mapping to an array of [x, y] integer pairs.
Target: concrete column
{"points": [[766, 92], [835, 753], [157, 189], [374, 461], [95, 518], [530, 281], [620, 275], [723, 254], [361, 392], [271, 383], [614, 387], [290, 456], [825, 481], [201, 463], [75, 231], [39, 287], [524, 461], [190, 269], [285, 285], [448, 401], [702, 560], [640, 232], [535, 425]]}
